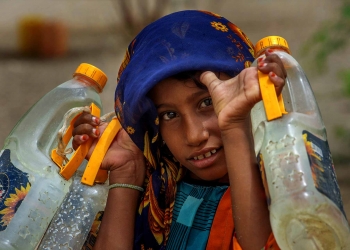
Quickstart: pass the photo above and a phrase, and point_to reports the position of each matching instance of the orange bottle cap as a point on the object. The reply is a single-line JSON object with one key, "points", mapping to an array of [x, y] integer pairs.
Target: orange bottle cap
{"points": [[271, 42], [93, 73]]}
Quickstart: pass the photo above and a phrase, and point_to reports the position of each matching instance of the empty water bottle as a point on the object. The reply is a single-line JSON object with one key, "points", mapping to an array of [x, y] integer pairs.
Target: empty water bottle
{"points": [[306, 210], [31, 189]]}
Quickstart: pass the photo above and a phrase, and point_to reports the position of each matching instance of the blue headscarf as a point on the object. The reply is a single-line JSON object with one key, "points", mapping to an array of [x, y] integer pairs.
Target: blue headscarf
{"points": [[183, 41]]}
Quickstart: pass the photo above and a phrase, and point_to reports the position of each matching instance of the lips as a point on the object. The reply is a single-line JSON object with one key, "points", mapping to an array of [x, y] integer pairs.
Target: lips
{"points": [[205, 157], [204, 154]]}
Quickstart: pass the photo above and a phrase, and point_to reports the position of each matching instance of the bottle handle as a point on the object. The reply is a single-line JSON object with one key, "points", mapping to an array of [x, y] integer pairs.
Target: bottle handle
{"points": [[68, 170], [92, 171], [274, 105]]}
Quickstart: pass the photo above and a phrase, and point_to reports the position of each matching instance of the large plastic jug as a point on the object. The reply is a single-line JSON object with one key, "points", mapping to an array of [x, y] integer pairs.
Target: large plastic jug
{"points": [[76, 222], [306, 210], [31, 189]]}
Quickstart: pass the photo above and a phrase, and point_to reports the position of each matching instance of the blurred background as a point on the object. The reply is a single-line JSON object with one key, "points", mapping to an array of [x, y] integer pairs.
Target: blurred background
{"points": [[98, 31]]}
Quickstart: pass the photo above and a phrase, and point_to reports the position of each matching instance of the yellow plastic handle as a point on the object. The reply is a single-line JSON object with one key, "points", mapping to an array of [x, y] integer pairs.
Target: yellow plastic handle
{"points": [[79, 155], [92, 171], [274, 106]]}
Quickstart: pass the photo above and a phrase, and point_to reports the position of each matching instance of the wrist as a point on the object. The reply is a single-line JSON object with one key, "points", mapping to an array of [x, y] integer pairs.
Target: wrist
{"points": [[239, 135], [132, 173], [238, 127], [123, 185]]}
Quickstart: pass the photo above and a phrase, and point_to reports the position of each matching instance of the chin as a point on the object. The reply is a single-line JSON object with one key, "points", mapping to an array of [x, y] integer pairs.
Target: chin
{"points": [[210, 177]]}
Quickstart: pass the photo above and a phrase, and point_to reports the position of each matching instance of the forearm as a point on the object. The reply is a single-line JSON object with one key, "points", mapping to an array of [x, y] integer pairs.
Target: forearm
{"points": [[250, 210], [117, 227]]}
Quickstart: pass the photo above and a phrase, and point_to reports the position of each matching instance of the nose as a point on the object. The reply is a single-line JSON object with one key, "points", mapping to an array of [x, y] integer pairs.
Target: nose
{"points": [[195, 131]]}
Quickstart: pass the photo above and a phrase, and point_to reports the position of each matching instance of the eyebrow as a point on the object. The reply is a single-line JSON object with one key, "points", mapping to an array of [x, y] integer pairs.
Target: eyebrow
{"points": [[192, 96], [196, 94]]}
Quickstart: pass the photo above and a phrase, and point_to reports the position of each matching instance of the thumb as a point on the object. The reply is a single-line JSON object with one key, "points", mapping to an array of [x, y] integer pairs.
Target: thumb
{"points": [[215, 89], [210, 80]]}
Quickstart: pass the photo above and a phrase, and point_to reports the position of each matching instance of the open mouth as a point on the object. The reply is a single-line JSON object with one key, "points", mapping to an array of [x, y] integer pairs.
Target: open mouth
{"points": [[206, 155]]}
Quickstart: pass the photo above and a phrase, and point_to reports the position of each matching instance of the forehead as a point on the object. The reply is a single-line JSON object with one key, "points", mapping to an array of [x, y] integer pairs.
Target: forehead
{"points": [[172, 88]]}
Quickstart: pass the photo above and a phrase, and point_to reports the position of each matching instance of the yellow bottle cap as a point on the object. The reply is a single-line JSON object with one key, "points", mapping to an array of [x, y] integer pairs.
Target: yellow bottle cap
{"points": [[93, 73], [271, 42]]}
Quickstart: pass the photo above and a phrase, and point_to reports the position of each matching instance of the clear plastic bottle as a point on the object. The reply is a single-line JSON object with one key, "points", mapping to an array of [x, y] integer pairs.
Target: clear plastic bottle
{"points": [[306, 210], [77, 221], [82, 207], [31, 188]]}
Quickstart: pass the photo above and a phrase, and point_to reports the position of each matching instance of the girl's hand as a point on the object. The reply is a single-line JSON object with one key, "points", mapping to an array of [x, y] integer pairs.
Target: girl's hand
{"points": [[124, 159], [234, 98]]}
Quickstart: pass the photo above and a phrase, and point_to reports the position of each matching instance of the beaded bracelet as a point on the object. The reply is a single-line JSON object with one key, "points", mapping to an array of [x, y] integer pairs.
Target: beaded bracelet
{"points": [[123, 185]]}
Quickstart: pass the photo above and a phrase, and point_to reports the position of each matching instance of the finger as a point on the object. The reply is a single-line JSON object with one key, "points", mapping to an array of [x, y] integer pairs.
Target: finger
{"points": [[267, 67], [273, 66], [87, 118], [79, 140], [274, 58], [210, 80], [86, 129], [277, 81]]}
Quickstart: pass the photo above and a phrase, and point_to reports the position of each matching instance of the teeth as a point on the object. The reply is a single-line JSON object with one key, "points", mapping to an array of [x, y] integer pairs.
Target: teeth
{"points": [[200, 157], [207, 154]]}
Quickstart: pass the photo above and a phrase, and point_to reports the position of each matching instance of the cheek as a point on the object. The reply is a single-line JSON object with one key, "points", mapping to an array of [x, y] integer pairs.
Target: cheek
{"points": [[174, 141], [176, 148], [171, 138], [212, 125]]}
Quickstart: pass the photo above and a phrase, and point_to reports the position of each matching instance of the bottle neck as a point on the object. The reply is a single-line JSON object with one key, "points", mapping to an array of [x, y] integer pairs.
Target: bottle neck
{"points": [[88, 82]]}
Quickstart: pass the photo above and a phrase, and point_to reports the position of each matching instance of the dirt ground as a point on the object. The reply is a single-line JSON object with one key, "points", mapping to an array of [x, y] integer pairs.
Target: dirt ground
{"points": [[24, 80]]}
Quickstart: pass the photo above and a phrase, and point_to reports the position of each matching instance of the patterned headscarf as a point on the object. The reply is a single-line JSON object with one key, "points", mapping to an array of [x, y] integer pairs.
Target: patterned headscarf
{"points": [[183, 41]]}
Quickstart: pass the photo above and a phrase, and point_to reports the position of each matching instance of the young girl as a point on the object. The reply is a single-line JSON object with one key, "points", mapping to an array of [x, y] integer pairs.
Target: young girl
{"points": [[184, 94]]}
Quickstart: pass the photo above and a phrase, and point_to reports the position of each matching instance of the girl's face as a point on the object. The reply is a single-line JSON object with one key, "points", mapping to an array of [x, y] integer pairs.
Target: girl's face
{"points": [[189, 127]]}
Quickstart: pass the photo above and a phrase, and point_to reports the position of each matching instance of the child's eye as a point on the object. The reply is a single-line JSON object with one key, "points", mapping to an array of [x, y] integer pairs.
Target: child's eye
{"points": [[207, 102], [168, 115]]}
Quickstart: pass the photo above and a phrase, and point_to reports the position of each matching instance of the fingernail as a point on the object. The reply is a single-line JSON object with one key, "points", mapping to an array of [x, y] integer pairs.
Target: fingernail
{"points": [[270, 50], [260, 59], [272, 74], [84, 137], [262, 65], [96, 132], [96, 120]]}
